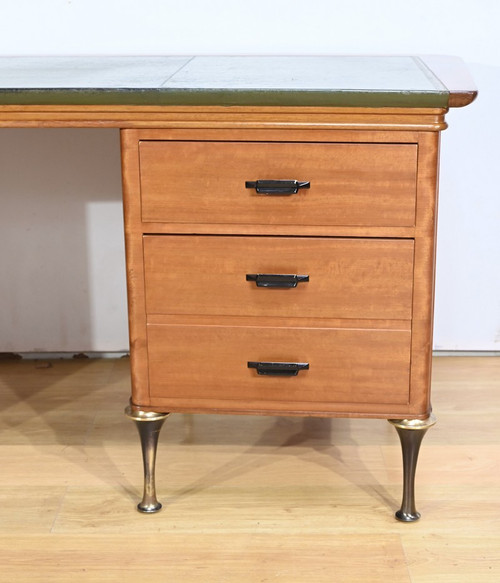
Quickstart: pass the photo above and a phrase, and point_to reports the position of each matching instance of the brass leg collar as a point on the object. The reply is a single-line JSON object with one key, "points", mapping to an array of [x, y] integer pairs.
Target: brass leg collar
{"points": [[144, 415], [415, 424]]}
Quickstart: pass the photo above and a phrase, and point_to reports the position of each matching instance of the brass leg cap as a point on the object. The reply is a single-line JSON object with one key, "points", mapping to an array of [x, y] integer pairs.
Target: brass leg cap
{"points": [[149, 508], [407, 517]]}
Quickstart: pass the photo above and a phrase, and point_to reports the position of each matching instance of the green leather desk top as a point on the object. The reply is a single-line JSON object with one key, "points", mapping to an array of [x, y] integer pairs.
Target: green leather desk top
{"points": [[335, 81]]}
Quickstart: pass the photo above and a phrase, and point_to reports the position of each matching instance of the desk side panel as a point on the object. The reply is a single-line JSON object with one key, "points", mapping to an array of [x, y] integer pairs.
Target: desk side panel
{"points": [[135, 267], [423, 291]]}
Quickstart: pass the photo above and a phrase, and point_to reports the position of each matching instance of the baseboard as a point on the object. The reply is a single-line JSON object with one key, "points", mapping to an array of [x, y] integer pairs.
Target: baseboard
{"points": [[123, 354], [60, 355], [465, 353]]}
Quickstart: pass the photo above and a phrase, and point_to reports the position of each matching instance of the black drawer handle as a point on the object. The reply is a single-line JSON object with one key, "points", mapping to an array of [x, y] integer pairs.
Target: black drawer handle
{"points": [[278, 187], [282, 369], [276, 279]]}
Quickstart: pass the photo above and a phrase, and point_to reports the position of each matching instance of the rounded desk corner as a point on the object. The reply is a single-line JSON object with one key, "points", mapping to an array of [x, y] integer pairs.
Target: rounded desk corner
{"points": [[463, 98]]}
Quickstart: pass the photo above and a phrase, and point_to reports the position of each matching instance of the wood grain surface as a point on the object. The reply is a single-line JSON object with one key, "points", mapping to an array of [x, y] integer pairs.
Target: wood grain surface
{"points": [[351, 184], [367, 182], [197, 117], [348, 278], [349, 369]]}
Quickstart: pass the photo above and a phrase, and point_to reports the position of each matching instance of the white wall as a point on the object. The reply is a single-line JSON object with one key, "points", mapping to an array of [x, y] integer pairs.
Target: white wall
{"points": [[61, 241], [61, 252]]}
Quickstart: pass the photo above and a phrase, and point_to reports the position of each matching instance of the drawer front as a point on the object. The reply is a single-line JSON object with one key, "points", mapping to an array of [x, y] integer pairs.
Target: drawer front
{"points": [[348, 278], [350, 184], [345, 365]]}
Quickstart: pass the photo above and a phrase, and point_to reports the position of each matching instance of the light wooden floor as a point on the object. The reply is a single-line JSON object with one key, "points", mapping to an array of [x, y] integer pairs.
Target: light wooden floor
{"points": [[246, 499]]}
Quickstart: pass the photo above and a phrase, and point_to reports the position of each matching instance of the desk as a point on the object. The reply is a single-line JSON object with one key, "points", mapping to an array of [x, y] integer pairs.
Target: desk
{"points": [[280, 217]]}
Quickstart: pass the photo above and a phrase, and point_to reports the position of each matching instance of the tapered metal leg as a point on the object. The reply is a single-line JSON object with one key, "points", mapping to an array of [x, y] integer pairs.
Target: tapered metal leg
{"points": [[411, 433], [149, 425]]}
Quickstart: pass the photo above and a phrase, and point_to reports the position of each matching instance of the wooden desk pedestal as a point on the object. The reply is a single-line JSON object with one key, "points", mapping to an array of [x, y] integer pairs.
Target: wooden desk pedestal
{"points": [[219, 322]]}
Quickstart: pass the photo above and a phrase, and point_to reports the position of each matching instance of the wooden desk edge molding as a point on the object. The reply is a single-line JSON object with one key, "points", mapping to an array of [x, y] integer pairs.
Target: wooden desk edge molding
{"points": [[280, 225]]}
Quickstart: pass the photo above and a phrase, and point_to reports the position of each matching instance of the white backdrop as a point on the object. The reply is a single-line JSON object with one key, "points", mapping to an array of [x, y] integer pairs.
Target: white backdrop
{"points": [[62, 282]]}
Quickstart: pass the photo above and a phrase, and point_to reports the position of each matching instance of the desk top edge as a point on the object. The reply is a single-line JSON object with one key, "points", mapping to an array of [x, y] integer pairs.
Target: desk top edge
{"points": [[334, 81]]}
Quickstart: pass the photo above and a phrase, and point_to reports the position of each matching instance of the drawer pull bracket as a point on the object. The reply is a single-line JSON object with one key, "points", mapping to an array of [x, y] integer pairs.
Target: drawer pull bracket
{"points": [[283, 280], [282, 369], [277, 187]]}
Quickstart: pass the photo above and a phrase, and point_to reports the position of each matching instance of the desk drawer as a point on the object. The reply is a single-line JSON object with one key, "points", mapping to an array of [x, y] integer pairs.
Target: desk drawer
{"points": [[347, 278], [345, 365], [350, 184]]}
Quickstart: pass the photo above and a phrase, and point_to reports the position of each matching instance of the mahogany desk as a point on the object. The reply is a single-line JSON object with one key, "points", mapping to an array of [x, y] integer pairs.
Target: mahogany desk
{"points": [[280, 217]]}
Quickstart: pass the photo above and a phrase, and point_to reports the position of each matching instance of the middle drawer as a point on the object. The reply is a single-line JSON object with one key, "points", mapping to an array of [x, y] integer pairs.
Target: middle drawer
{"points": [[215, 275]]}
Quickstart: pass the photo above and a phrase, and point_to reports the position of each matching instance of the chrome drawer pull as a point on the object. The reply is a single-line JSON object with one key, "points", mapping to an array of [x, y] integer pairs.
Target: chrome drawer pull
{"points": [[283, 280], [277, 186], [282, 369]]}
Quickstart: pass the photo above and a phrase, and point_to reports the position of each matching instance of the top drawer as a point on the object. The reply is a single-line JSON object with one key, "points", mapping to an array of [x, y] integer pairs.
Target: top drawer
{"points": [[350, 184]]}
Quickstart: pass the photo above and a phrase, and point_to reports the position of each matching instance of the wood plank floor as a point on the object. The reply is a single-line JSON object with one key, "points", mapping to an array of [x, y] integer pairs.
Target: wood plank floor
{"points": [[246, 499]]}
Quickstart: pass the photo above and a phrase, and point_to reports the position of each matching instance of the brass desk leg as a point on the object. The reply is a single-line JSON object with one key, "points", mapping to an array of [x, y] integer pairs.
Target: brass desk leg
{"points": [[148, 424], [411, 433]]}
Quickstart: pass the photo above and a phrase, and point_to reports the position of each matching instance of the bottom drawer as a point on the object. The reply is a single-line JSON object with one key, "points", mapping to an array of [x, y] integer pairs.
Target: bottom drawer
{"points": [[192, 365]]}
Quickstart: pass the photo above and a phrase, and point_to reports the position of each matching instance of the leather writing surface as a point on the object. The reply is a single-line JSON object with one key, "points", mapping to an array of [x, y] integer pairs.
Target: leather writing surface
{"points": [[300, 81]]}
